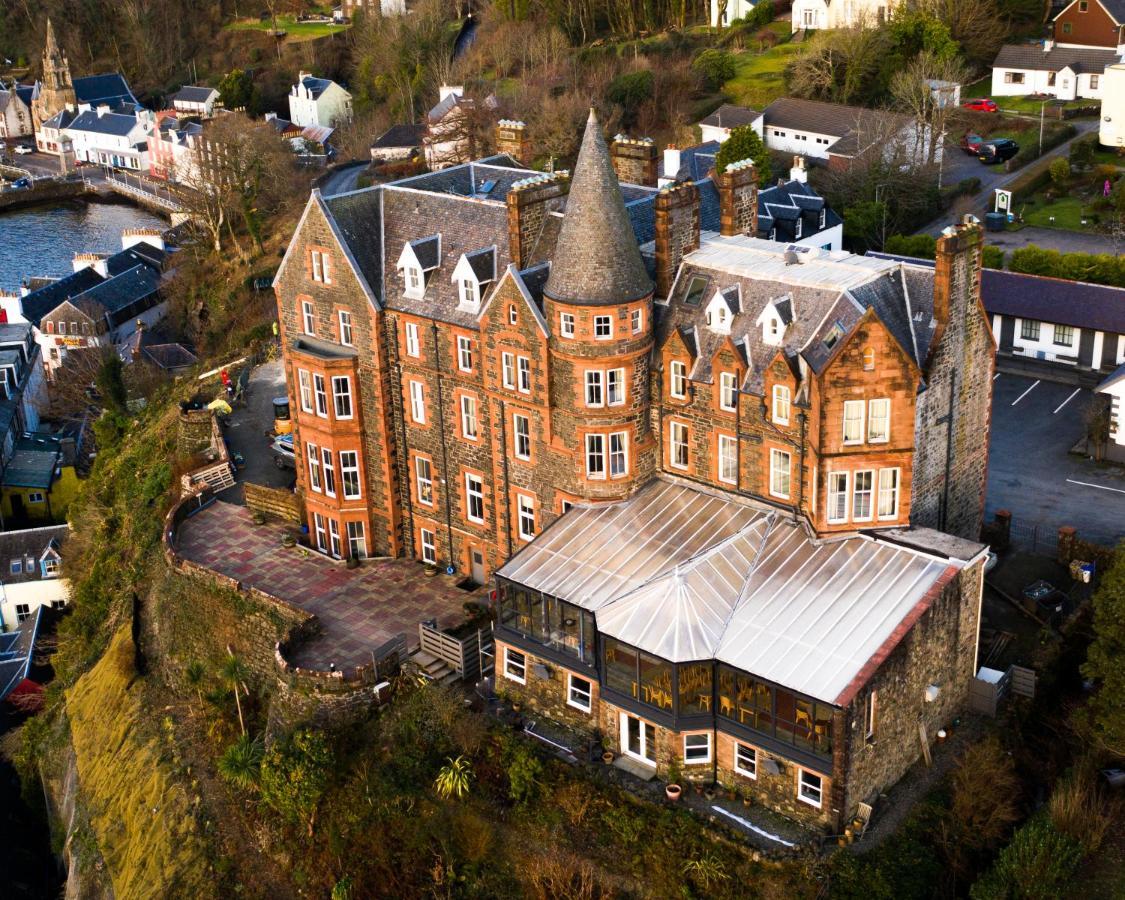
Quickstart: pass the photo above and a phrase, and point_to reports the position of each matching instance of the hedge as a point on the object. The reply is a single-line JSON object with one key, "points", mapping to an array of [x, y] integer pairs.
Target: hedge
{"points": [[1096, 268], [1029, 150], [924, 246]]}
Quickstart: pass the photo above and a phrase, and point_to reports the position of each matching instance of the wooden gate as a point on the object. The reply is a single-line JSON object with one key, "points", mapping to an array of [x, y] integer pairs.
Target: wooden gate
{"points": [[1023, 681]]}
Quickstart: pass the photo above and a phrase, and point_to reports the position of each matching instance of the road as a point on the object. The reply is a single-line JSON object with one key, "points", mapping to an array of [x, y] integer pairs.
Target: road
{"points": [[1032, 474], [249, 427], [343, 179]]}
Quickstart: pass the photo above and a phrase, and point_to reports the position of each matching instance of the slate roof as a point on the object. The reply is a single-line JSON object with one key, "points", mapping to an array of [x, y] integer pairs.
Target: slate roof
{"points": [[596, 260], [1035, 58], [16, 651], [24, 93], [193, 93], [316, 86], [730, 116], [133, 286], [400, 136], [1115, 8], [27, 542], [833, 119], [33, 464], [107, 123], [1115, 378], [483, 264], [109, 88], [780, 206], [61, 119]]}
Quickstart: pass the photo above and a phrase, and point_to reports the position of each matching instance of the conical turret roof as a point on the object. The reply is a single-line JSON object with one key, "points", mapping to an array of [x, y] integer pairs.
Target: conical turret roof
{"points": [[597, 261]]}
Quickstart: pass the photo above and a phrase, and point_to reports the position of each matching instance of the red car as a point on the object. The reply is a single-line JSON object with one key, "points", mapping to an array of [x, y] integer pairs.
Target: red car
{"points": [[970, 143], [981, 104]]}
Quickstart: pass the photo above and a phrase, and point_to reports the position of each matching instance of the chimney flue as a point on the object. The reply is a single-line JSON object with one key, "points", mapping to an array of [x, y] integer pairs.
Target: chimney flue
{"points": [[677, 231]]}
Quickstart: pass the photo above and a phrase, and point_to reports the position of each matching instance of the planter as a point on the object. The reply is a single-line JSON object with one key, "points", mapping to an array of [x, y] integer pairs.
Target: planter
{"points": [[673, 792], [287, 540], [352, 563], [431, 571], [608, 757], [259, 519]]}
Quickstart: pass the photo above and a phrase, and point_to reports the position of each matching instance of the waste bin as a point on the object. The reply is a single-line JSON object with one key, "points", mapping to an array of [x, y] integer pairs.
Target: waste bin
{"points": [[995, 221]]}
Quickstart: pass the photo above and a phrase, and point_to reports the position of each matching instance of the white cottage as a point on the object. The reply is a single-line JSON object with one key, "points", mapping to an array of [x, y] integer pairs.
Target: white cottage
{"points": [[1067, 73], [319, 102]]}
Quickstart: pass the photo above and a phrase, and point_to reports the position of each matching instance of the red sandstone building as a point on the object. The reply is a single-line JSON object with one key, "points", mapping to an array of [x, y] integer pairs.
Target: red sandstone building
{"points": [[486, 353]]}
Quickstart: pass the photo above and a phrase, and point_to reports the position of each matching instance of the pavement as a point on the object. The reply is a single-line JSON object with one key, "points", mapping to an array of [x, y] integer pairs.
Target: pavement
{"points": [[1032, 474], [1053, 239], [249, 431], [342, 179], [359, 609]]}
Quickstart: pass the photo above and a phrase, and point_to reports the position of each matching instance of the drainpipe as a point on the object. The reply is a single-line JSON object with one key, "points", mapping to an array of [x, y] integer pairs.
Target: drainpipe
{"points": [[444, 453], [504, 463], [404, 479]]}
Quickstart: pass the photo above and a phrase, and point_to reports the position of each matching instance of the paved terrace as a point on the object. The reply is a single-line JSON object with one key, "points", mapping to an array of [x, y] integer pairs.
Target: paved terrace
{"points": [[359, 609]]}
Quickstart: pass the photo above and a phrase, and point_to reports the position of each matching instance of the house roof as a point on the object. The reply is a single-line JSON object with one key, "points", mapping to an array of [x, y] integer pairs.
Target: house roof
{"points": [[33, 464], [596, 261], [171, 356], [107, 123], [686, 573], [730, 116], [193, 93], [1035, 58], [1116, 377], [16, 651], [823, 118], [400, 136], [781, 206], [316, 86], [33, 542], [115, 294], [108, 88], [1115, 8]]}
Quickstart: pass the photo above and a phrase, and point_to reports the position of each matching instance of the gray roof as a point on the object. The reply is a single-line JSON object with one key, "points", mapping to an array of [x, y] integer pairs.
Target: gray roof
{"points": [[109, 88], [193, 93], [731, 116], [107, 123], [1115, 8], [780, 207], [687, 573], [596, 259], [1034, 57], [16, 651], [823, 118], [29, 542], [33, 464], [316, 86], [1115, 378], [401, 136]]}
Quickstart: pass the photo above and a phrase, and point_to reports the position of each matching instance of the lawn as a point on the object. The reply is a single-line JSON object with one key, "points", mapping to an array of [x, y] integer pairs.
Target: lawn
{"points": [[1027, 106], [295, 31], [1067, 212], [760, 78]]}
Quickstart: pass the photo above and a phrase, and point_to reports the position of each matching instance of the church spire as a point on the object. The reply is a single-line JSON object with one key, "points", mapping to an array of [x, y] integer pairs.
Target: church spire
{"points": [[597, 261]]}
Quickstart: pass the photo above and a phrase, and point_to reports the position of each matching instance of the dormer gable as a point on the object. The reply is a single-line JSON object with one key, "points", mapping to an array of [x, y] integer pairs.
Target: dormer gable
{"points": [[774, 319], [472, 275], [417, 259], [722, 309]]}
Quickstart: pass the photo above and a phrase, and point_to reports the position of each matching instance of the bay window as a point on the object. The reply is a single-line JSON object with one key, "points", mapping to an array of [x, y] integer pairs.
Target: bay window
{"points": [[618, 454], [595, 456], [329, 472], [342, 396], [349, 473]]}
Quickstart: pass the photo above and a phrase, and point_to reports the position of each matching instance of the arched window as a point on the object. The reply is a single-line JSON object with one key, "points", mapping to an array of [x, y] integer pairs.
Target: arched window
{"points": [[868, 359]]}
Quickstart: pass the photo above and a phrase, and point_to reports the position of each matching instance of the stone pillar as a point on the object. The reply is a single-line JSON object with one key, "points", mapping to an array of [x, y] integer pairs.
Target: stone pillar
{"points": [[838, 795], [634, 161], [512, 138], [1003, 520], [738, 199], [1068, 535], [529, 201], [677, 231], [957, 267]]}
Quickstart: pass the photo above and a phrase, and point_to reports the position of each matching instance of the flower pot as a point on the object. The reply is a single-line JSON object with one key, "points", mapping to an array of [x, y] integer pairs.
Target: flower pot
{"points": [[287, 540], [607, 757], [673, 792], [431, 571], [352, 563]]}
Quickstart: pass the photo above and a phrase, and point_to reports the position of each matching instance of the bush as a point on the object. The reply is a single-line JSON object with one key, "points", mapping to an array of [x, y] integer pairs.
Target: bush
{"points": [[993, 257], [294, 776], [919, 246], [1037, 865], [1060, 172], [744, 143], [1029, 149], [716, 67], [630, 89], [1096, 268], [1082, 153]]}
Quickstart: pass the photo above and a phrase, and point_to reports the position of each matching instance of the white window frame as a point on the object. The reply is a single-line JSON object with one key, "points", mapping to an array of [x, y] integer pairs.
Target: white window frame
{"points": [[603, 328], [464, 353], [412, 346], [470, 424], [618, 455], [678, 438], [312, 454], [595, 450], [587, 692], [523, 371], [415, 282], [335, 547], [521, 436], [595, 388], [728, 459], [427, 539], [308, 318], [892, 490], [677, 379], [320, 394], [304, 388], [566, 324], [344, 395], [321, 532], [637, 321], [525, 516], [695, 738], [782, 399], [728, 391], [775, 457], [474, 493], [350, 467], [469, 291], [357, 540], [345, 319], [739, 768], [615, 387], [321, 266], [874, 435], [853, 407], [508, 369], [834, 491], [866, 494], [50, 567], [513, 316], [515, 670], [418, 402], [328, 468], [816, 791], [427, 479], [870, 715]]}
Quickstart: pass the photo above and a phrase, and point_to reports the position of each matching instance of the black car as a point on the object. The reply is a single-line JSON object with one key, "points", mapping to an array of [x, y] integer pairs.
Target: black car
{"points": [[998, 150]]}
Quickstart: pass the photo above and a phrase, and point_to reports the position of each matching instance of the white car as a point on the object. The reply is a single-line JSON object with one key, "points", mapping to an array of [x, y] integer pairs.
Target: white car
{"points": [[23, 150], [283, 455]]}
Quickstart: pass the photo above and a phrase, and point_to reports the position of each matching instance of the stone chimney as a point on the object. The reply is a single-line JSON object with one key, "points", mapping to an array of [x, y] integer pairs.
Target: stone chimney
{"points": [[957, 268], [677, 231], [634, 161], [512, 138], [798, 172], [738, 199], [529, 203]]}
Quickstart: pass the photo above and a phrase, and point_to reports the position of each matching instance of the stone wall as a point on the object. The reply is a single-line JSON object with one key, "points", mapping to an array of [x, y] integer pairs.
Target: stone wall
{"points": [[676, 227], [547, 697], [635, 161], [194, 431], [738, 199], [529, 203]]}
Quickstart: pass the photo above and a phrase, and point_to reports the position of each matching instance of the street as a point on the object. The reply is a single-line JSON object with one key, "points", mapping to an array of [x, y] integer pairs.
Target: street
{"points": [[1032, 474], [343, 179]]}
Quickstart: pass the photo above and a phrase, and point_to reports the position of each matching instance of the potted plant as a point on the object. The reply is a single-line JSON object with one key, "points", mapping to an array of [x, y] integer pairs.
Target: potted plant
{"points": [[608, 757], [353, 562], [259, 518], [673, 790], [430, 570], [287, 540]]}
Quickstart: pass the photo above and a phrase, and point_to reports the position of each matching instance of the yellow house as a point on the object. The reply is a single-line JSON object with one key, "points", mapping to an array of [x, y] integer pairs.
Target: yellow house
{"points": [[35, 484]]}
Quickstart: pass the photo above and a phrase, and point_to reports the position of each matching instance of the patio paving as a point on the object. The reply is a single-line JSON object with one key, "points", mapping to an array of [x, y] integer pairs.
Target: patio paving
{"points": [[359, 609]]}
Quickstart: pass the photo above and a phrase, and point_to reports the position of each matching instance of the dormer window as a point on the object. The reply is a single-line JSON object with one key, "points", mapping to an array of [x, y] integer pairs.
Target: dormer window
{"points": [[413, 281], [469, 290], [798, 227], [416, 260], [473, 272], [721, 310]]}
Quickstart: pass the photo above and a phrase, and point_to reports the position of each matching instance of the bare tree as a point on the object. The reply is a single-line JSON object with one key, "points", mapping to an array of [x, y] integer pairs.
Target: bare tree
{"points": [[925, 91]]}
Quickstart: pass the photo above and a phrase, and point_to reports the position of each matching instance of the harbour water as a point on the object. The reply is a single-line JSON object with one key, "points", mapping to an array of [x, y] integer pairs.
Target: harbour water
{"points": [[42, 241]]}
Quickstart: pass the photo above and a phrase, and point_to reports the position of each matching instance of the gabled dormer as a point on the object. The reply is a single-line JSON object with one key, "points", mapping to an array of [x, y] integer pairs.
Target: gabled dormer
{"points": [[678, 357], [417, 260], [50, 561], [473, 274], [774, 319], [722, 309]]}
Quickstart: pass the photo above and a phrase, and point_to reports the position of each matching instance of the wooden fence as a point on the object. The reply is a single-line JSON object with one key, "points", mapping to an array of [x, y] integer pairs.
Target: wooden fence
{"points": [[277, 502], [463, 655]]}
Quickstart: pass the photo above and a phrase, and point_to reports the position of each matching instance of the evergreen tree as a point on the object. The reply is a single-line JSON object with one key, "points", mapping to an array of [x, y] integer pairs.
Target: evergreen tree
{"points": [[744, 143]]}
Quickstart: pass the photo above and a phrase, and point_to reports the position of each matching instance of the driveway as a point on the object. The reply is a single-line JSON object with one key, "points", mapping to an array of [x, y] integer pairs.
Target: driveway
{"points": [[343, 179], [250, 426], [1052, 239], [1032, 474]]}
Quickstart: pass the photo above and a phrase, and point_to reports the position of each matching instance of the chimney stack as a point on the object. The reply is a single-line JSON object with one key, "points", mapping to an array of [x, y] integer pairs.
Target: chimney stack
{"points": [[512, 138], [671, 162], [677, 231], [529, 204], [798, 172], [738, 199], [634, 161], [957, 268]]}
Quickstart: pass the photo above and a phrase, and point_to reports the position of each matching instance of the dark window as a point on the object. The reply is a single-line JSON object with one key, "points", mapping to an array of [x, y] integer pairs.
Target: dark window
{"points": [[548, 620], [694, 688], [777, 712], [696, 288], [1029, 330]]}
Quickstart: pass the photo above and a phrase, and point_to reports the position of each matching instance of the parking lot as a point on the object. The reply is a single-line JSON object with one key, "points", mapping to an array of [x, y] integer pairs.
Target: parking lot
{"points": [[1032, 474], [249, 425]]}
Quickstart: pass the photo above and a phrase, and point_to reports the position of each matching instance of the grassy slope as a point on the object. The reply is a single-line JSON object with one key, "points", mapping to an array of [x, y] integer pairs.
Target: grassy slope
{"points": [[761, 75], [142, 815], [295, 31]]}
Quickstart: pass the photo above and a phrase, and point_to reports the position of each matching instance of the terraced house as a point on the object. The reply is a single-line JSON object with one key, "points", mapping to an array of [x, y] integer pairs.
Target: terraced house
{"points": [[709, 472]]}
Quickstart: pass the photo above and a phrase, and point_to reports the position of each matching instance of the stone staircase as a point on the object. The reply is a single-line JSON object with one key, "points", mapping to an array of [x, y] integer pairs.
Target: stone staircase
{"points": [[431, 668]]}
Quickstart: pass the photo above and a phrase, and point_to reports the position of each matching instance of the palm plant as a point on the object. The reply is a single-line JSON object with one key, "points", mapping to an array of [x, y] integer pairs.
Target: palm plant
{"points": [[194, 674], [241, 762], [453, 779], [234, 673]]}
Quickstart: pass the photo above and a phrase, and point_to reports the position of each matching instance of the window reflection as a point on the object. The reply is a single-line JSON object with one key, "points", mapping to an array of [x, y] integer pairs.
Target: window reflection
{"points": [[774, 711], [548, 620]]}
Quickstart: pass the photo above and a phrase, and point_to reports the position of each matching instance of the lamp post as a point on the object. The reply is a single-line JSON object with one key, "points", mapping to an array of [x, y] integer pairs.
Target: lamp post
{"points": [[1042, 108]]}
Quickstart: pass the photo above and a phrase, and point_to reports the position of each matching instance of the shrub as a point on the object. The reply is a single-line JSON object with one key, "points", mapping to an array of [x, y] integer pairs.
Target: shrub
{"points": [[716, 67], [630, 89], [1076, 810], [524, 774], [744, 143], [1060, 172], [1082, 154], [920, 246], [1105, 710], [557, 874], [295, 775], [453, 778], [993, 257], [984, 804], [241, 763], [1037, 865]]}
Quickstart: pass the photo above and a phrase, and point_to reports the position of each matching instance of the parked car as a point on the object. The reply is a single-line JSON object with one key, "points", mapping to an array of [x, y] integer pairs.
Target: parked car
{"points": [[23, 150], [283, 455], [997, 151], [981, 104], [970, 143]]}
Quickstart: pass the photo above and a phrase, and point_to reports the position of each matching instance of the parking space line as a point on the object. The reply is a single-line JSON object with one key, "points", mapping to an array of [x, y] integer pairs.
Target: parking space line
{"points": [[1025, 393], [1100, 487], [1066, 401], [997, 375]]}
